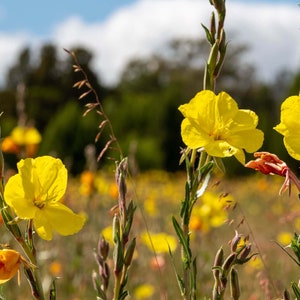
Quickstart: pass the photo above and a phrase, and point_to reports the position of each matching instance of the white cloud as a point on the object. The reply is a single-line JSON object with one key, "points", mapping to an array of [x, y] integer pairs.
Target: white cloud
{"points": [[11, 45], [272, 31]]}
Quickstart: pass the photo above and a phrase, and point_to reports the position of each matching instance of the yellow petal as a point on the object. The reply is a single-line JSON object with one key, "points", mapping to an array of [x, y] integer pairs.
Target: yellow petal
{"points": [[292, 145], [59, 218], [193, 136], [241, 140], [53, 176], [20, 200], [289, 126]]}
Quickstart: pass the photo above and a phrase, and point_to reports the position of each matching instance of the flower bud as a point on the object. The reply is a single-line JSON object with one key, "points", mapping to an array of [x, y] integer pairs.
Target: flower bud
{"points": [[234, 285], [129, 252], [235, 241], [103, 248], [218, 262]]}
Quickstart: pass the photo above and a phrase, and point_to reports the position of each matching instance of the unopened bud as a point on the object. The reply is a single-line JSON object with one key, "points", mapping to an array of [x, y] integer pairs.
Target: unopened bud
{"points": [[286, 295], [234, 285], [245, 252], [129, 252], [104, 273], [228, 263], [213, 25], [116, 229], [226, 267], [235, 241], [103, 248], [218, 262]]}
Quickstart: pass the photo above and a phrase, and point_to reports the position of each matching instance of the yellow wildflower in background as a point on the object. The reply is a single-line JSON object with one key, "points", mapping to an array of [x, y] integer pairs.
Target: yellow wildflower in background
{"points": [[209, 213], [216, 124], [36, 193], [107, 233], [10, 261], [26, 138], [160, 241], [143, 291], [289, 125], [285, 237]]}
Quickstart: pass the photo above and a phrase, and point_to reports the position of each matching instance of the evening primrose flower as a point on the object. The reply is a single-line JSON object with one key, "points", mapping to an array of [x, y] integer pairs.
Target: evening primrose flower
{"points": [[289, 125], [36, 193], [10, 261], [214, 123]]}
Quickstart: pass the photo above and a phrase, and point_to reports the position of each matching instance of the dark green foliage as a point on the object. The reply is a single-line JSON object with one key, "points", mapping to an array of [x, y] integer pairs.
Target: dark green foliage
{"points": [[143, 107], [68, 133]]}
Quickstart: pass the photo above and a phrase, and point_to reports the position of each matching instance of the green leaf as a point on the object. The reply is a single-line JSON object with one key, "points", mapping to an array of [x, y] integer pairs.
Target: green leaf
{"points": [[183, 242], [209, 37], [296, 290], [179, 279], [52, 292]]}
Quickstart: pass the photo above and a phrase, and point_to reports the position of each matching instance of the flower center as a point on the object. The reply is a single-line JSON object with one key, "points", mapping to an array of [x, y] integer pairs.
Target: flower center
{"points": [[39, 202]]}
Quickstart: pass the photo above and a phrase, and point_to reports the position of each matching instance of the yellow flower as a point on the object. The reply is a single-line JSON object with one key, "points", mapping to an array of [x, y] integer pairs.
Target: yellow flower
{"points": [[209, 213], [25, 136], [216, 124], [284, 237], [289, 125], [10, 261], [36, 193], [161, 242], [143, 291]]}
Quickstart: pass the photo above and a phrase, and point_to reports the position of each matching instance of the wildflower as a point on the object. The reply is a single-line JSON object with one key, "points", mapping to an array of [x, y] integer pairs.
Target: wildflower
{"points": [[10, 261], [157, 262], [143, 291], [87, 180], [268, 163], [214, 123], [284, 237], [290, 125], [36, 193], [55, 268], [107, 233], [209, 213], [27, 138], [161, 242]]}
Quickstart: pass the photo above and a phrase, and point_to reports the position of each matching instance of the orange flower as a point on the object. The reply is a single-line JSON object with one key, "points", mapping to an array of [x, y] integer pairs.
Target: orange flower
{"points": [[55, 268], [268, 163], [10, 261], [8, 145]]}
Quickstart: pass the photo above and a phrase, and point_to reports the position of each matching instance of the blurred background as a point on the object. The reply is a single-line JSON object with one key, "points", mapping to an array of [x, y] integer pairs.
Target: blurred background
{"points": [[144, 58]]}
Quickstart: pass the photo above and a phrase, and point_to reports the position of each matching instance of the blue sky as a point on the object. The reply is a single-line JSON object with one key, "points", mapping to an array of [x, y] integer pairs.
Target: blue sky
{"points": [[119, 30], [39, 17]]}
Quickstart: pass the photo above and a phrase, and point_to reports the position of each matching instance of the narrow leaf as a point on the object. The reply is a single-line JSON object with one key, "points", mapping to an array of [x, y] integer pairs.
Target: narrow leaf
{"points": [[183, 241]]}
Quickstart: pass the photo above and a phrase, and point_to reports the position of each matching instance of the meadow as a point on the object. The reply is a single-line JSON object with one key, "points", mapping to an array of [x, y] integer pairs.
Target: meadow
{"points": [[112, 231], [251, 205]]}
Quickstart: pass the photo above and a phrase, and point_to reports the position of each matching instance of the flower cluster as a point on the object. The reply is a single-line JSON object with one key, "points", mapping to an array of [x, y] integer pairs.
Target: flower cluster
{"points": [[22, 139]]}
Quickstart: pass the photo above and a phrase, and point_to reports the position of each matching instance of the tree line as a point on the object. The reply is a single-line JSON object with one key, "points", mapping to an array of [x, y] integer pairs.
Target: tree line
{"points": [[142, 106]]}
